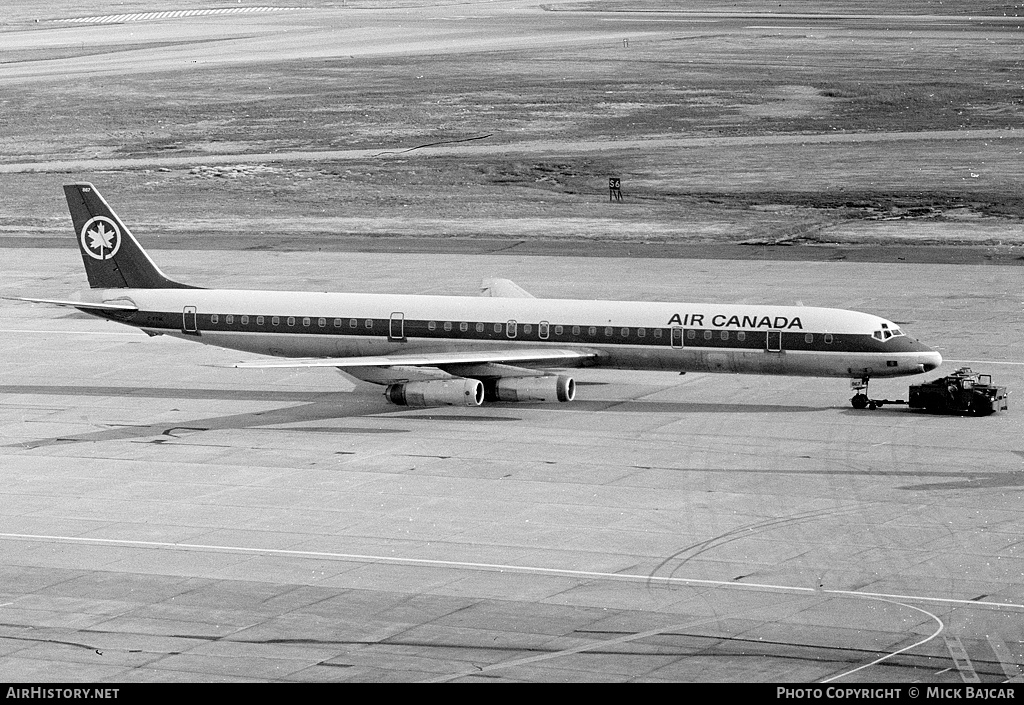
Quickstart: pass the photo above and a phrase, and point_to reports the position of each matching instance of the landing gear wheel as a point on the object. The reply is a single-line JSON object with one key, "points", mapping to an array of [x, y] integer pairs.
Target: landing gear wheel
{"points": [[860, 401]]}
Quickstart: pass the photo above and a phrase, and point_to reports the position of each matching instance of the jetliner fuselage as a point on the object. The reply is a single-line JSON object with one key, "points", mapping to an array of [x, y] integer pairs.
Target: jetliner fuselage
{"points": [[437, 350], [783, 340]]}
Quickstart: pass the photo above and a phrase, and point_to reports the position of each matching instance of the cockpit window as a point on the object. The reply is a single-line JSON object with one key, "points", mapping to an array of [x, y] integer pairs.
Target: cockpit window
{"points": [[885, 333]]}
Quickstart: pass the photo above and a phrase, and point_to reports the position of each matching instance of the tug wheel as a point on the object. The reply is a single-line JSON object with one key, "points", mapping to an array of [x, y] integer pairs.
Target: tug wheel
{"points": [[860, 401]]}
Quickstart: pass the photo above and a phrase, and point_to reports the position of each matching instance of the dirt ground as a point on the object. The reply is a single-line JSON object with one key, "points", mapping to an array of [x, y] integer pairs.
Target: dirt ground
{"points": [[641, 99]]}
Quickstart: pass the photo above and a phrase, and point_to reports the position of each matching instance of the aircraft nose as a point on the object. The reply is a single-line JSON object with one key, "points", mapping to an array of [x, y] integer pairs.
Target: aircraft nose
{"points": [[930, 360]]}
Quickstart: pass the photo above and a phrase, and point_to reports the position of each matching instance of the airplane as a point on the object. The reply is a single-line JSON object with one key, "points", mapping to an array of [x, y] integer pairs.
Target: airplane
{"points": [[462, 351]]}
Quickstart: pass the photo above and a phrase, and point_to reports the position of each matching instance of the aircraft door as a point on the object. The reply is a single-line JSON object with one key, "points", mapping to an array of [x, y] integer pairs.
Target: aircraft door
{"points": [[188, 321], [774, 341], [396, 331]]}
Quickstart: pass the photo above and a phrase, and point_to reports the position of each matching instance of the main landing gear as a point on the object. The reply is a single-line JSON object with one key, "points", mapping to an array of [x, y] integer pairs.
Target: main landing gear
{"points": [[860, 398]]}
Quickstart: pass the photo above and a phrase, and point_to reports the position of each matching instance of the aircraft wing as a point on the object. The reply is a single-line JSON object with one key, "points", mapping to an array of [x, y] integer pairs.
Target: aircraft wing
{"points": [[505, 288], [565, 357], [81, 304]]}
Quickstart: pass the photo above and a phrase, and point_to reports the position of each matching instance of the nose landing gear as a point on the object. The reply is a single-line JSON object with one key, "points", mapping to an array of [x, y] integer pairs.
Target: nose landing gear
{"points": [[860, 398]]}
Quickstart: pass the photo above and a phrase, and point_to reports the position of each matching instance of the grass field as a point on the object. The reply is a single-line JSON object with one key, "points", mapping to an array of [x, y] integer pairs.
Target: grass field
{"points": [[634, 95]]}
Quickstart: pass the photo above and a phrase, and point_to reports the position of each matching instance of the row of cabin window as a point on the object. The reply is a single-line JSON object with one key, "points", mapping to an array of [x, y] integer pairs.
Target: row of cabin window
{"points": [[229, 319], [609, 331], [542, 329], [741, 336]]}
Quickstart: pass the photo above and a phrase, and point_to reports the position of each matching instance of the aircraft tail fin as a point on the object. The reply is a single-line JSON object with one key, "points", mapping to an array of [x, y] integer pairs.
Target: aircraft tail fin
{"points": [[113, 257]]}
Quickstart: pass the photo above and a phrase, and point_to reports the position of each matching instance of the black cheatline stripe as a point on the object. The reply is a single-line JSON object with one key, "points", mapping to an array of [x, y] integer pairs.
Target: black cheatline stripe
{"points": [[755, 340]]}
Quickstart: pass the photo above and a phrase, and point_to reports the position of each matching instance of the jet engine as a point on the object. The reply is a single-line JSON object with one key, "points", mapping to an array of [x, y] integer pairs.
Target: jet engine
{"points": [[551, 388], [440, 392]]}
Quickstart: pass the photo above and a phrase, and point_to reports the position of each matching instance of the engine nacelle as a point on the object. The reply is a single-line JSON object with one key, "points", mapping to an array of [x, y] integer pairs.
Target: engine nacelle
{"points": [[439, 392], [551, 388]]}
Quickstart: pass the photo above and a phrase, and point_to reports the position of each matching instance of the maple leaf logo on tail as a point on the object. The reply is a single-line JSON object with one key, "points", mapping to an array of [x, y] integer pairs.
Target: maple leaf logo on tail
{"points": [[100, 238]]}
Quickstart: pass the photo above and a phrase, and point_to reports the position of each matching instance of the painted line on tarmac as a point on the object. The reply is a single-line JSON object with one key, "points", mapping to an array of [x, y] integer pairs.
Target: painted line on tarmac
{"points": [[898, 651], [500, 567], [171, 14]]}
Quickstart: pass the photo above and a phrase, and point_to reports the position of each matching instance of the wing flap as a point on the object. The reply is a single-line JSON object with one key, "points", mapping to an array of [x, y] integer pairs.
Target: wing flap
{"points": [[427, 359]]}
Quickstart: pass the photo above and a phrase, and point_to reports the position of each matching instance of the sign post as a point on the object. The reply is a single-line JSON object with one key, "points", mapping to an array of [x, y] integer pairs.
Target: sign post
{"points": [[614, 189]]}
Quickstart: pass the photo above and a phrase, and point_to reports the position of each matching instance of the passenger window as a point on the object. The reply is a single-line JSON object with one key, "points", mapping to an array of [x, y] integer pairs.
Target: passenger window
{"points": [[259, 320], [741, 336], [447, 325], [592, 330], [725, 335], [276, 320], [691, 334], [497, 327], [527, 329], [809, 338], [214, 318], [608, 330], [575, 330], [322, 322], [707, 335], [245, 320], [463, 327], [368, 323], [479, 327], [828, 338], [229, 319], [353, 323], [640, 332], [657, 332], [337, 323], [291, 320], [431, 325], [625, 332], [305, 322]]}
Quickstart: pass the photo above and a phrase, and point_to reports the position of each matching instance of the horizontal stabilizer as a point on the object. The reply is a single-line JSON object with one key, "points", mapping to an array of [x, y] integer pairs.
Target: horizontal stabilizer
{"points": [[566, 357], [80, 304], [503, 288]]}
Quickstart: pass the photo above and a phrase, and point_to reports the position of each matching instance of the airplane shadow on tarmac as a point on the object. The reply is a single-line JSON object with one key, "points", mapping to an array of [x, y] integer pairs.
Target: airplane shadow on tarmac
{"points": [[313, 407], [324, 406]]}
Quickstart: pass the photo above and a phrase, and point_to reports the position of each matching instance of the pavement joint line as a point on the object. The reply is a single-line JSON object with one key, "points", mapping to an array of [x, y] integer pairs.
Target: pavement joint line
{"points": [[539, 570], [67, 332], [982, 362], [602, 644], [689, 624]]}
